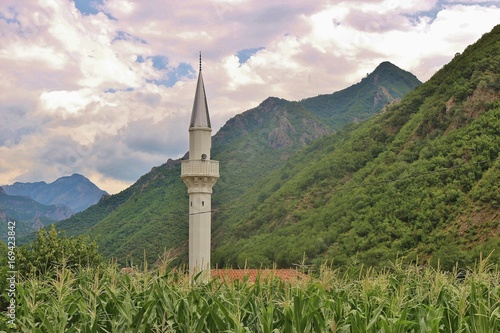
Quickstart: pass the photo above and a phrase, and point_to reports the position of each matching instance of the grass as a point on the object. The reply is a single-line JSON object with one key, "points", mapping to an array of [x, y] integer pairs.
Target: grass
{"points": [[400, 298]]}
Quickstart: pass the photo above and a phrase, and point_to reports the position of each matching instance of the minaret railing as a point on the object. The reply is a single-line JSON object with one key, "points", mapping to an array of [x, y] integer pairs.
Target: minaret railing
{"points": [[200, 168]]}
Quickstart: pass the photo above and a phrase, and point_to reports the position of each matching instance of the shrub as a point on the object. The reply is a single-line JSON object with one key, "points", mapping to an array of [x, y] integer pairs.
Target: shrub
{"points": [[52, 249]]}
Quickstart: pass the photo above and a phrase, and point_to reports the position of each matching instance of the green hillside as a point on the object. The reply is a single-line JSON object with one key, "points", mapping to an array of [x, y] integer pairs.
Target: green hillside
{"points": [[259, 140], [387, 83], [420, 180], [151, 215]]}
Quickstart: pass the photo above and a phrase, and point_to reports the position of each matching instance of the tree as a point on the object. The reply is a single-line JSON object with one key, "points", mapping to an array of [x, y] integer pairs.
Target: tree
{"points": [[52, 249]]}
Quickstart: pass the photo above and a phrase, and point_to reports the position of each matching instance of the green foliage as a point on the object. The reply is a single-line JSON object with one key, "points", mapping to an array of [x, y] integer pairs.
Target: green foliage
{"points": [[151, 221], [51, 250], [400, 298]]}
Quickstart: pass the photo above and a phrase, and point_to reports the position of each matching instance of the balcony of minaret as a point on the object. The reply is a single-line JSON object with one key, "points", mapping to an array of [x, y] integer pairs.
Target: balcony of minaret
{"points": [[200, 175], [200, 168]]}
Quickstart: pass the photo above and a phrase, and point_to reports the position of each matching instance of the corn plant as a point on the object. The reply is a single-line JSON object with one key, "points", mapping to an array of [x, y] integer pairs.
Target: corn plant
{"points": [[401, 298]]}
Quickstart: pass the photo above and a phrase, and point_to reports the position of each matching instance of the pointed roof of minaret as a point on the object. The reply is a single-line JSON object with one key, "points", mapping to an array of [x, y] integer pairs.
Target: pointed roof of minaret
{"points": [[199, 115]]}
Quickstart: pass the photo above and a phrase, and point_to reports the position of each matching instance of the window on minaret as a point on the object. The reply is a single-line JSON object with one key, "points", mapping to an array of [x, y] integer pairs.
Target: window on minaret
{"points": [[203, 203]]}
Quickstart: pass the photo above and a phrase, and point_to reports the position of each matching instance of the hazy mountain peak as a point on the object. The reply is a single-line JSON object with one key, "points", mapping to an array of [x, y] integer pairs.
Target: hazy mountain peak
{"points": [[384, 65], [75, 191]]}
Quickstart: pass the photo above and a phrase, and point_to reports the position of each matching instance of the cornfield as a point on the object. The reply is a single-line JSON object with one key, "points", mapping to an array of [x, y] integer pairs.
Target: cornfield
{"points": [[401, 298]]}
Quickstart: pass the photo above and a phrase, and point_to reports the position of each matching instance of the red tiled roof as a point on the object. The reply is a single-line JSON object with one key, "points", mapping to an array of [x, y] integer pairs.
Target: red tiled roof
{"points": [[288, 275]]}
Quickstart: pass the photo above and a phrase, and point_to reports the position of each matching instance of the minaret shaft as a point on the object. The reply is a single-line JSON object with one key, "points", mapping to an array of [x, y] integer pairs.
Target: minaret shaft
{"points": [[199, 234]]}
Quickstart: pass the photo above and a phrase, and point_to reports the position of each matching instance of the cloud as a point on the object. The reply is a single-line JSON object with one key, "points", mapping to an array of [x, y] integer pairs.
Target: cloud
{"points": [[163, 137], [105, 88], [19, 125]]}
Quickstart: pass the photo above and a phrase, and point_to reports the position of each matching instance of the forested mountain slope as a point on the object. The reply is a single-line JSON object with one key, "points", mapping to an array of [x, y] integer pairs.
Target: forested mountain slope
{"points": [[151, 215], [387, 83], [420, 180]]}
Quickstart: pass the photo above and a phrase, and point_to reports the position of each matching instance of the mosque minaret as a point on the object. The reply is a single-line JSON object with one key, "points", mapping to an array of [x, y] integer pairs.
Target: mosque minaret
{"points": [[200, 173]]}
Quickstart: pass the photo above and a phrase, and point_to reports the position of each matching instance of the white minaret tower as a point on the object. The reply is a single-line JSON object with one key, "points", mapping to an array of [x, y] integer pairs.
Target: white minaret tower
{"points": [[199, 173]]}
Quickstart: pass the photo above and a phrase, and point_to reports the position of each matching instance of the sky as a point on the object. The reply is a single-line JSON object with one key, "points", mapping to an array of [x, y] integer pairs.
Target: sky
{"points": [[105, 88]]}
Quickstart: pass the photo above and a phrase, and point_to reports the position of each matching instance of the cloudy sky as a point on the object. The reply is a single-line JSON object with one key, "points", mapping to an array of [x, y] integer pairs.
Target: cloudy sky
{"points": [[105, 87]]}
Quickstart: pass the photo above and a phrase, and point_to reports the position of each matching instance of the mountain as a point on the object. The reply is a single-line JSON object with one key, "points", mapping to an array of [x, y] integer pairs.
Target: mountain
{"points": [[259, 140], [152, 215], [75, 191], [419, 180], [28, 214], [386, 84]]}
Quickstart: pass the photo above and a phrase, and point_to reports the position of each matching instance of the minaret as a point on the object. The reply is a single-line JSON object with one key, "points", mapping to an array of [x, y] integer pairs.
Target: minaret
{"points": [[199, 173]]}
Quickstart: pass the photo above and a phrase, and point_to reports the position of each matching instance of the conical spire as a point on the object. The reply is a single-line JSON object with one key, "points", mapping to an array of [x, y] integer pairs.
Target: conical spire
{"points": [[199, 115]]}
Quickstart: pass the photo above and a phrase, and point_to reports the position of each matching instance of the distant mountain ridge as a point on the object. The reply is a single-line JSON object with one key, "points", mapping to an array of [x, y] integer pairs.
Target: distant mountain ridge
{"points": [[76, 192], [35, 205], [28, 214]]}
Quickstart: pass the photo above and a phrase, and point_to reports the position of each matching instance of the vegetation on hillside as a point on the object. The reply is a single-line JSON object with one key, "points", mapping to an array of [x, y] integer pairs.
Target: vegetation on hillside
{"points": [[252, 144], [419, 180]]}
